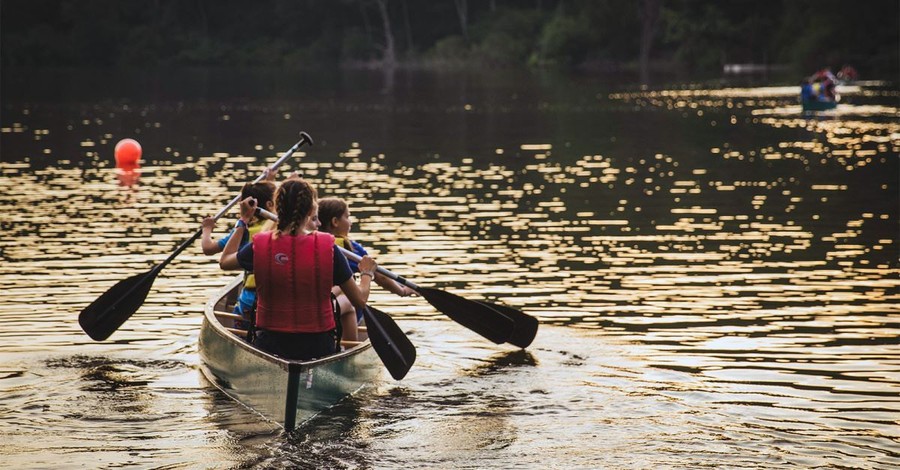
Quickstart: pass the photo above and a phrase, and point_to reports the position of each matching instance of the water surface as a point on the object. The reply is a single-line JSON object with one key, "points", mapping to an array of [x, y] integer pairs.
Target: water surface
{"points": [[716, 273]]}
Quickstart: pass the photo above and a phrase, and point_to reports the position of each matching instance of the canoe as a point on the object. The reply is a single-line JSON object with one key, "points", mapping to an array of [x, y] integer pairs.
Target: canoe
{"points": [[286, 392], [812, 105]]}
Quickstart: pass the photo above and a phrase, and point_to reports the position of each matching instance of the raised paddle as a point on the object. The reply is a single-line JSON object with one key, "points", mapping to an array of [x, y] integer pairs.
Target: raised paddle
{"points": [[106, 314], [498, 323]]}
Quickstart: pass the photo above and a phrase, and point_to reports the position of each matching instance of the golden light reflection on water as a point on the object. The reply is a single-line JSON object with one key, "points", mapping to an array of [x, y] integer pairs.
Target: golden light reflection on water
{"points": [[524, 233], [757, 282]]}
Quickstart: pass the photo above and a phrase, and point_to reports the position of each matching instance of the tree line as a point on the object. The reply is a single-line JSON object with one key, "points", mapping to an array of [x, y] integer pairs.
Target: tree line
{"points": [[589, 34]]}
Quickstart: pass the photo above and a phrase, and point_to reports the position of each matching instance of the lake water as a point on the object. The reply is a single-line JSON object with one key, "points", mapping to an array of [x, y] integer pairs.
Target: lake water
{"points": [[716, 273]]}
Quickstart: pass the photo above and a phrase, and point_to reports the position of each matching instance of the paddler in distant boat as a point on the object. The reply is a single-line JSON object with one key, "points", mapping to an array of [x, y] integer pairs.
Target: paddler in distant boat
{"points": [[807, 93], [826, 83], [847, 74], [819, 88]]}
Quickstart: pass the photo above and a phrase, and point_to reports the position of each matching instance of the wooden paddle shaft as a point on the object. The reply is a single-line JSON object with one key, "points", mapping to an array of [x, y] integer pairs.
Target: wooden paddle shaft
{"points": [[304, 138], [108, 312], [402, 280]]}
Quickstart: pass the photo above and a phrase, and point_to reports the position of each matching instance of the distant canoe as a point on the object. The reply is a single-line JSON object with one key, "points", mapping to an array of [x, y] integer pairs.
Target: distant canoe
{"points": [[818, 105], [283, 391]]}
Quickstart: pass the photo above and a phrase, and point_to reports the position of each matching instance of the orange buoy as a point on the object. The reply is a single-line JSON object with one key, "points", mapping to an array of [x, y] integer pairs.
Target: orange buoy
{"points": [[128, 154]]}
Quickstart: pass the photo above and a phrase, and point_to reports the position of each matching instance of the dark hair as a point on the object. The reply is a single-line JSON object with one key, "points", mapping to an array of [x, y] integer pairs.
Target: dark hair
{"points": [[294, 201], [330, 207], [264, 191]]}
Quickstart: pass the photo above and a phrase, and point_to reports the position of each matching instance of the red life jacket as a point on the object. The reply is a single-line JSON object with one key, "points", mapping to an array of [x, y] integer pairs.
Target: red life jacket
{"points": [[294, 275]]}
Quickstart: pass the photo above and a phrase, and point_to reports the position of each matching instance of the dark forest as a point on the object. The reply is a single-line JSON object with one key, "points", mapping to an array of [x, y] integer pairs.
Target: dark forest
{"points": [[594, 35]]}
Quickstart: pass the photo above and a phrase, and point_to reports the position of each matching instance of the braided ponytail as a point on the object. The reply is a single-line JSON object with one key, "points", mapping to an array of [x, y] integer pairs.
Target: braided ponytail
{"points": [[294, 202]]}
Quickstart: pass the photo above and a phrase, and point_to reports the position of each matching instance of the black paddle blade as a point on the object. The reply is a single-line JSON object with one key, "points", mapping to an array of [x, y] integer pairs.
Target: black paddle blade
{"points": [[105, 315], [390, 342], [526, 325], [477, 317]]}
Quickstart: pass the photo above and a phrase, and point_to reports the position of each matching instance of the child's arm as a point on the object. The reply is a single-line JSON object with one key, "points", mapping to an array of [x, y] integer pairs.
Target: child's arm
{"points": [[359, 293], [229, 259], [209, 246]]}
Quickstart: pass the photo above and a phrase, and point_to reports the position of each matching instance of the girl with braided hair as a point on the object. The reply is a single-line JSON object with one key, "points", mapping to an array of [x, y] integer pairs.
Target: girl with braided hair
{"points": [[295, 271]]}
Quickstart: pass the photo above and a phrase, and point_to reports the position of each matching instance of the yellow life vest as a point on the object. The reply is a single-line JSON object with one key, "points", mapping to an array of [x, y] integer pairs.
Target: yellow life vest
{"points": [[343, 243], [818, 89], [252, 229]]}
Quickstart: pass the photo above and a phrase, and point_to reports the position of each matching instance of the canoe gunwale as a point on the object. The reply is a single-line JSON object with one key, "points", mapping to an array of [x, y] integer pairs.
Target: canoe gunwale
{"points": [[291, 366], [270, 386]]}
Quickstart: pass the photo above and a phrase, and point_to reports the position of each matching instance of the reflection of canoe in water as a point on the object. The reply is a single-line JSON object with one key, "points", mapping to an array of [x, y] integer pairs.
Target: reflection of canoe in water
{"points": [[814, 105], [284, 391]]}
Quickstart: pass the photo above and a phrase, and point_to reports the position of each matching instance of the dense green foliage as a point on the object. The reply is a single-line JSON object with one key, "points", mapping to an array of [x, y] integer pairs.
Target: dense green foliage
{"points": [[690, 34]]}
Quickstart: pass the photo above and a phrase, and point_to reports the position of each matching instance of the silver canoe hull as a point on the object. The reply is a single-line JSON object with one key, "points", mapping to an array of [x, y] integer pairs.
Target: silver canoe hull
{"points": [[283, 391]]}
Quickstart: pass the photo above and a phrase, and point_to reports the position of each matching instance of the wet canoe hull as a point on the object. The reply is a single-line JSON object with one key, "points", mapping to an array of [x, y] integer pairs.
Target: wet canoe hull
{"points": [[818, 105], [283, 391]]}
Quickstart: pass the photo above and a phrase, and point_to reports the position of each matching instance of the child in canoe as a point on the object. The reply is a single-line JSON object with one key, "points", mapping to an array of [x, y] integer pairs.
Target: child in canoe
{"points": [[264, 193], [334, 215], [295, 271]]}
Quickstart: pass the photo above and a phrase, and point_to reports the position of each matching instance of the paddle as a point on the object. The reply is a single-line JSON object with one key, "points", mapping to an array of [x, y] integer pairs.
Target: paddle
{"points": [[491, 324], [526, 325], [105, 315], [498, 323], [393, 347]]}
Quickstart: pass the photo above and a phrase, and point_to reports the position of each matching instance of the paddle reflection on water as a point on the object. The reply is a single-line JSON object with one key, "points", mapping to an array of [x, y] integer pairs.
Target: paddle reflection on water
{"points": [[500, 362]]}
